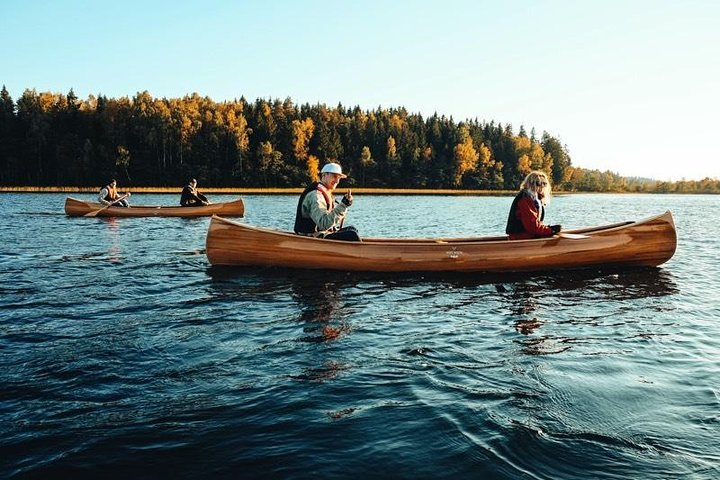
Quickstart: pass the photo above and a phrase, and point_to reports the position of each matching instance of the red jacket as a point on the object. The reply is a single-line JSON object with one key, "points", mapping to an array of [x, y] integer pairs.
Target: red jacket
{"points": [[530, 217]]}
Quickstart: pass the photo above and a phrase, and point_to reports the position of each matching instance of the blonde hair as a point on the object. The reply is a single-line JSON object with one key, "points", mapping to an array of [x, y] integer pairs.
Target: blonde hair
{"points": [[534, 179]]}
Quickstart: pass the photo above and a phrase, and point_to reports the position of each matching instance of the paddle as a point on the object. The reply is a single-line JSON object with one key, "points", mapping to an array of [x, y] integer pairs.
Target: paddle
{"points": [[572, 236], [95, 212]]}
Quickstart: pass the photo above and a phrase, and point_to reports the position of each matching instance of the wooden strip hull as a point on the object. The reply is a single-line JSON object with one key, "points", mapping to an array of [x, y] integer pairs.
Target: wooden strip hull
{"points": [[78, 208], [645, 243]]}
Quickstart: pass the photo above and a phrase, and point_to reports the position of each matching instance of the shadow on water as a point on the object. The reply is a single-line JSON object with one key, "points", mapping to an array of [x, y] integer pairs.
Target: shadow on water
{"points": [[618, 284]]}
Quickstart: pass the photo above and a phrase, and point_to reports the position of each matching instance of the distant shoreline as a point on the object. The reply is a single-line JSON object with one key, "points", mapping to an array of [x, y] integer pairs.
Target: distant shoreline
{"points": [[261, 191], [298, 190]]}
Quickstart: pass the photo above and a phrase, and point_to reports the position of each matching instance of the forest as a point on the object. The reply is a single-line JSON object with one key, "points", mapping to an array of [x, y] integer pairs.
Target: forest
{"points": [[54, 139]]}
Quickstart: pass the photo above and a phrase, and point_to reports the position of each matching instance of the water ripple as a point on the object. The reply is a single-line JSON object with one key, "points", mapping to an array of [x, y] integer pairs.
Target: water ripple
{"points": [[125, 355]]}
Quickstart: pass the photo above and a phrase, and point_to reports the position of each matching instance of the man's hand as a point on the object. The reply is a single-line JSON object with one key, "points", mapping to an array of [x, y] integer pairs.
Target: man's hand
{"points": [[555, 228], [347, 199]]}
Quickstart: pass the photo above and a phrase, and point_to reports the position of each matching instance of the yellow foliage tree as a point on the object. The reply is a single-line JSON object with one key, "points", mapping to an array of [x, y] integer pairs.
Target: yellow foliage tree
{"points": [[302, 132], [531, 156], [237, 127], [396, 122], [313, 168], [391, 148], [524, 166], [466, 157]]}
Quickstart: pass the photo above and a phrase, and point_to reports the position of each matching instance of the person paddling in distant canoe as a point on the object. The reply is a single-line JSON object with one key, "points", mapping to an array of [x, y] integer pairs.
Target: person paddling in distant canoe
{"points": [[528, 209], [109, 195], [191, 197], [318, 214]]}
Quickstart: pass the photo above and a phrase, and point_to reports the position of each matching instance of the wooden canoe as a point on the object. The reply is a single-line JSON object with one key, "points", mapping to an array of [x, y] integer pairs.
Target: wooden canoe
{"points": [[79, 208], [645, 243]]}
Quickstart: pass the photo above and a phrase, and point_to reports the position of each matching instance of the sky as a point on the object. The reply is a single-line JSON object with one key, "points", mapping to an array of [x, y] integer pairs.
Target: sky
{"points": [[629, 86]]}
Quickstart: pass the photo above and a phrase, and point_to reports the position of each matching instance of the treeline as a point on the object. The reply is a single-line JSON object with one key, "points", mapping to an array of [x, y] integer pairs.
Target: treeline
{"points": [[52, 139]]}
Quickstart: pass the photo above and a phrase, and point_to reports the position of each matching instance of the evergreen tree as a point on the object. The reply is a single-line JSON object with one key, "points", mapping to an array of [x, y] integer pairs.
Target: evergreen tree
{"points": [[8, 159]]}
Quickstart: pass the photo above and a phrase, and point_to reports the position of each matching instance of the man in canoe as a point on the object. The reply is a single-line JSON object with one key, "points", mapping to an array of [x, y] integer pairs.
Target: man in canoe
{"points": [[528, 209], [109, 195], [190, 197], [318, 214]]}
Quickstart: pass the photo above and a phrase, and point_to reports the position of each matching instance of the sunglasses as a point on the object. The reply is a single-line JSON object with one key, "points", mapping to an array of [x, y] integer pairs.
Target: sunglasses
{"points": [[540, 184]]}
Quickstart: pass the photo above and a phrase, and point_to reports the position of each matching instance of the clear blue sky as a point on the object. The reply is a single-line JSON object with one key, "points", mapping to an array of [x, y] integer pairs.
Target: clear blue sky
{"points": [[629, 86]]}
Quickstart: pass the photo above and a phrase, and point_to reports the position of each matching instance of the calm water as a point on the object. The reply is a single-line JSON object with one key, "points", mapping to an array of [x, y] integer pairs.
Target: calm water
{"points": [[124, 355]]}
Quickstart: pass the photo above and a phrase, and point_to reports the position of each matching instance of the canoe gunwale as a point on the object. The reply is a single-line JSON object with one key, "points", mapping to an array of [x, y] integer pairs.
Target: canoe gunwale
{"points": [[589, 231]]}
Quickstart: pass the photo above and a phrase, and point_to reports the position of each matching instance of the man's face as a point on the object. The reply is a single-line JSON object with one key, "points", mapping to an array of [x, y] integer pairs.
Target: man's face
{"points": [[331, 179]]}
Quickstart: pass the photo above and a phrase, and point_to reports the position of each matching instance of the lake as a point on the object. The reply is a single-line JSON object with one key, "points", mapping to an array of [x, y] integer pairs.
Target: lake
{"points": [[124, 355]]}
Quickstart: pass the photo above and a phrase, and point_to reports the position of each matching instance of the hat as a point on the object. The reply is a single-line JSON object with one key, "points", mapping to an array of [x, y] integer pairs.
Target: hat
{"points": [[333, 168]]}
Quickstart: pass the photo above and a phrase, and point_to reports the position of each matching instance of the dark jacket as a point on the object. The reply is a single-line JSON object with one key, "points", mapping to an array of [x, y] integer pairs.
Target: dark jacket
{"points": [[525, 218], [191, 197], [305, 225]]}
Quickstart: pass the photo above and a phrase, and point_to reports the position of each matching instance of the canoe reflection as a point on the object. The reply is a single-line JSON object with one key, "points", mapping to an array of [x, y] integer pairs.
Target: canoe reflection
{"points": [[321, 309], [623, 285], [320, 305], [628, 283], [327, 300], [529, 302]]}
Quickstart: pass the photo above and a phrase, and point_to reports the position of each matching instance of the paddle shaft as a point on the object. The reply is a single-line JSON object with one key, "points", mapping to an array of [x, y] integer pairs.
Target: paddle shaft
{"points": [[94, 213]]}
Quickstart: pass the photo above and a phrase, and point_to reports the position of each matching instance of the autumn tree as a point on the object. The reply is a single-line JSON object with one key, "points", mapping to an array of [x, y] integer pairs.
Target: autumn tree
{"points": [[302, 132], [366, 161], [239, 133], [531, 156], [466, 157], [313, 168]]}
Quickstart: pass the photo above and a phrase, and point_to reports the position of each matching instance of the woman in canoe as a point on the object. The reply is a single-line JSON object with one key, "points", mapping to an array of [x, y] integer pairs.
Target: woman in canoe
{"points": [[318, 214], [190, 197], [527, 212], [109, 195]]}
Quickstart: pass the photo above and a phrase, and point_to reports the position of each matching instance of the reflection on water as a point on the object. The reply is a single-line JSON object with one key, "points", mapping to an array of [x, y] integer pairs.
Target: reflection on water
{"points": [[643, 278], [620, 285], [319, 302], [114, 249], [529, 300], [329, 370], [532, 300], [320, 306], [319, 290], [527, 327]]}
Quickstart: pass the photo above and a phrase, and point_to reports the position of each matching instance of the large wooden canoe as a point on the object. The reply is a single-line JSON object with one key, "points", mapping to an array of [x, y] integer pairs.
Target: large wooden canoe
{"points": [[78, 208], [645, 243]]}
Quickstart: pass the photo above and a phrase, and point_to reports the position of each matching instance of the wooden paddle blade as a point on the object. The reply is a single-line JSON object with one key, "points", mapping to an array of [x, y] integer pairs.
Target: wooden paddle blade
{"points": [[95, 212], [573, 236]]}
